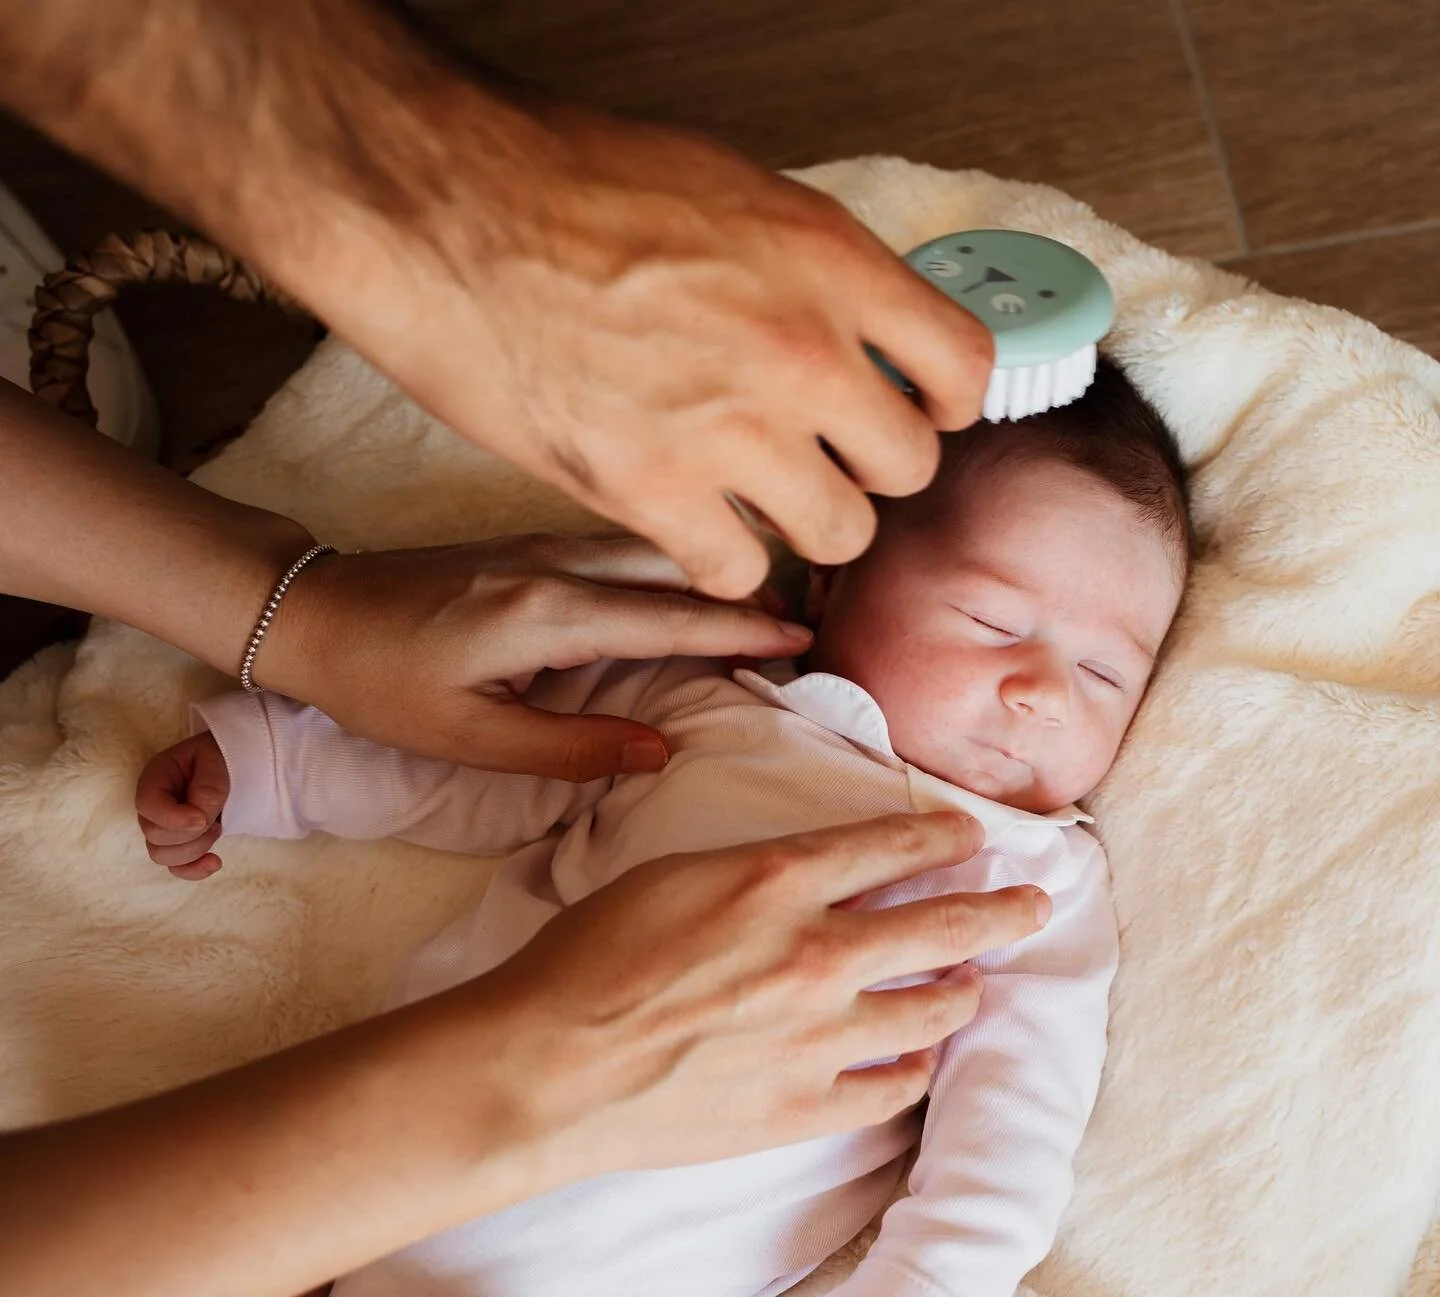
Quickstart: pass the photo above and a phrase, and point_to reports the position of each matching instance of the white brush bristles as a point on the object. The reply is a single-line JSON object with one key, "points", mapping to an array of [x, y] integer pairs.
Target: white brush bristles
{"points": [[1028, 389]]}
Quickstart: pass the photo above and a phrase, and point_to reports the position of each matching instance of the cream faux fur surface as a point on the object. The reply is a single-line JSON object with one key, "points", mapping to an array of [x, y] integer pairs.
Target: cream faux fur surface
{"points": [[1270, 1119]]}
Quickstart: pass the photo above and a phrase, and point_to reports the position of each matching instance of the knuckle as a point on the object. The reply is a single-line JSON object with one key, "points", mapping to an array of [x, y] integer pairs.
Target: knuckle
{"points": [[542, 599], [820, 956], [951, 1007], [662, 466], [741, 573], [582, 759], [903, 1084], [677, 613], [802, 346], [777, 865], [830, 228], [706, 554], [846, 528], [940, 1015], [958, 926], [915, 462], [904, 835]]}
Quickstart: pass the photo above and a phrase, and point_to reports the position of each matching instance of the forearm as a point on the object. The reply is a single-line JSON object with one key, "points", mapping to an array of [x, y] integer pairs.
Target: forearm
{"points": [[87, 524], [281, 1175], [297, 132]]}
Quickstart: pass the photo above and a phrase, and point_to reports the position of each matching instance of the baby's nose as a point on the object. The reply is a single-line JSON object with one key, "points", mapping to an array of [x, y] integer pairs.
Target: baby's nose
{"points": [[1038, 692]]}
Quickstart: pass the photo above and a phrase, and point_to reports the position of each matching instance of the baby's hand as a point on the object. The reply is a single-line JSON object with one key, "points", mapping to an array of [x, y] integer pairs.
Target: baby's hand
{"points": [[179, 798]]}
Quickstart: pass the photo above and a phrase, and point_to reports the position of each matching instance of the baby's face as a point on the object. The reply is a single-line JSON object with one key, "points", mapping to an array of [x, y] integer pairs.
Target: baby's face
{"points": [[1008, 646]]}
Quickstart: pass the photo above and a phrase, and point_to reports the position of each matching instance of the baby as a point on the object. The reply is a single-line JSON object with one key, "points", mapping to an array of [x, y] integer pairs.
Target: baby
{"points": [[987, 654]]}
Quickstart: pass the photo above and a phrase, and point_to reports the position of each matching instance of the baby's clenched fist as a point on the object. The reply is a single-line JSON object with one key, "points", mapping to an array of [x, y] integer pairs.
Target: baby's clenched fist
{"points": [[178, 800]]}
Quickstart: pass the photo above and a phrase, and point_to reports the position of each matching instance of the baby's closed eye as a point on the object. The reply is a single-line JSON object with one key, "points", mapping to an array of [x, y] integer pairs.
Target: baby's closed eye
{"points": [[1105, 674], [986, 623]]}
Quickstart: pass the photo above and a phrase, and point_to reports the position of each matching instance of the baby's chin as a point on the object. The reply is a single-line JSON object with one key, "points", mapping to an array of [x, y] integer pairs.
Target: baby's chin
{"points": [[1017, 788], [984, 785]]}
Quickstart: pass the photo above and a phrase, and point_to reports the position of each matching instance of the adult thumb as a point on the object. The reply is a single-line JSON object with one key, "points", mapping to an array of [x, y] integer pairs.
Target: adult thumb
{"points": [[516, 738]]}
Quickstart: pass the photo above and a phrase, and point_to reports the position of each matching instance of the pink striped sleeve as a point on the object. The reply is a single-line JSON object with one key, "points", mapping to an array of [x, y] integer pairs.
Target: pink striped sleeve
{"points": [[294, 771]]}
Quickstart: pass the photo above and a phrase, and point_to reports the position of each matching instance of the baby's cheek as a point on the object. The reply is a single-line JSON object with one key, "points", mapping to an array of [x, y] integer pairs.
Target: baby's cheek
{"points": [[1084, 763], [923, 702]]}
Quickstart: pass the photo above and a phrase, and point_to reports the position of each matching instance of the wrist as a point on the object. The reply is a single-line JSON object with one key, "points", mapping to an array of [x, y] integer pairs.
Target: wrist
{"points": [[388, 253], [244, 570], [501, 1117], [375, 154]]}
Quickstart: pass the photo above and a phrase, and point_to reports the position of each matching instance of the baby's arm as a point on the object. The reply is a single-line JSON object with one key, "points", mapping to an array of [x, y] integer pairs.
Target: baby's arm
{"points": [[288, 770], [1010, 1100]]}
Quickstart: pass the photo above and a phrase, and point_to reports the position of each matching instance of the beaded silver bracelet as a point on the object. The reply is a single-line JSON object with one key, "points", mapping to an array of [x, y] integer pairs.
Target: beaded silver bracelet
{"points": [[247, 663]]}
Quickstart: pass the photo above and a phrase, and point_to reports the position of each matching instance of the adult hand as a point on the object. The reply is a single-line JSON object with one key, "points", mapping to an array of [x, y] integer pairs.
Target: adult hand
{"points": [[420, 649], [430, 649], [652, 323], [773, 967], [636, 314], [739, 995]]}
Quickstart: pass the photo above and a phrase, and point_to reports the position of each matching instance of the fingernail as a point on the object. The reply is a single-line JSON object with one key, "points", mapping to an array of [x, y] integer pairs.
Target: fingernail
{"points": [[1043, 907], [643, 756], [793, 630], [196, 820]]}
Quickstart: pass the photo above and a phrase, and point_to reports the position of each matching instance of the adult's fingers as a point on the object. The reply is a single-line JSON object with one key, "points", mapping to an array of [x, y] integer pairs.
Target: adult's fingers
{"points": [[940, 347], [942, 931], [636, 624], [821, 513], [835, 864], [629, 561], [885, 1023], [886, 443], [869, 1095], [719, 553], [511, 736]]}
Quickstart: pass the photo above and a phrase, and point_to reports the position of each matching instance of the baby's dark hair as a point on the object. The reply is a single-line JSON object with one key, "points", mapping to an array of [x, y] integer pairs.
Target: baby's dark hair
{"points": [[1112, 433]]}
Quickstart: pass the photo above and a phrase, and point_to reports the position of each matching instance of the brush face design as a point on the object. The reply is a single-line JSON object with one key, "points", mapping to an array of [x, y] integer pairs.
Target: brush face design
{"points": [[1046, 304]]}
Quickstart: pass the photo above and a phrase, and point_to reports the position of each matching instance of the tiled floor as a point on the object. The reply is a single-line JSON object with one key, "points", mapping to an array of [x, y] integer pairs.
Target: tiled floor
{"points": [[1295, 140]]}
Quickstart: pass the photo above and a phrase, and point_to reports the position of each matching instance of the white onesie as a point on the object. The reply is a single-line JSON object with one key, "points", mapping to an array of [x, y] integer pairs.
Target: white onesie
{"points": [[751, 759]]}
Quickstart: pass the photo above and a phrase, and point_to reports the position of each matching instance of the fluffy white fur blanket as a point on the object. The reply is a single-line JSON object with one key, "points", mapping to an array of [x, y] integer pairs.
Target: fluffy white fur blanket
{"points": [[1270, 1119]]}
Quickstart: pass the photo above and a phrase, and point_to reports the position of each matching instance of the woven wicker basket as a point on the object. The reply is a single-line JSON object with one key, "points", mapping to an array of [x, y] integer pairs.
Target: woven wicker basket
{"points": [[68, 301], [60, 336]]}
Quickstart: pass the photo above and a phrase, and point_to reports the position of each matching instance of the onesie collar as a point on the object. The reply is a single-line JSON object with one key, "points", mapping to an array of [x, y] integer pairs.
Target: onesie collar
{"points": [[844, 708]]}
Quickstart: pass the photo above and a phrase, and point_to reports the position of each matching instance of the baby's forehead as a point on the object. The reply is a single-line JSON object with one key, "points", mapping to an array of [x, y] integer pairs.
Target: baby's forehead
{"points": [[986, 492], [1039, 525]]}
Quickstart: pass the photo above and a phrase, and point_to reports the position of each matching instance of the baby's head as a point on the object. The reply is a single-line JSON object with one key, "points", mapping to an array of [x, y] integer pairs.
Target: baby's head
{"points": [[1006, 619]]}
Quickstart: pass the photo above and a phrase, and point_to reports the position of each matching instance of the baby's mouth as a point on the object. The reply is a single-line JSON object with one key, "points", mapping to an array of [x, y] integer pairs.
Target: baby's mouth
{"points": [[1004, 755]]}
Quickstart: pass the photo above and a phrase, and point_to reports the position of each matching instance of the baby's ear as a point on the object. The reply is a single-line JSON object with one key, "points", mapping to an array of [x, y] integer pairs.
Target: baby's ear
{"points": [[817, 592]]}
